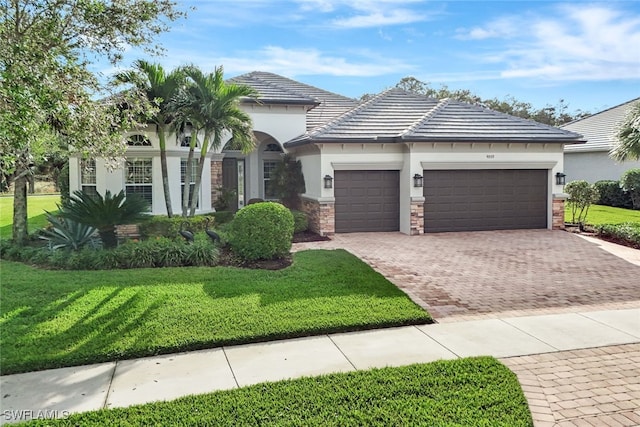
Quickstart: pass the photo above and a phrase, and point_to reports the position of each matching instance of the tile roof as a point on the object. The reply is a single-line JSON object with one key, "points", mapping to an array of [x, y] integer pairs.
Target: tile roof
{"points": [[276, 89], [399, 116], [599, 129]]}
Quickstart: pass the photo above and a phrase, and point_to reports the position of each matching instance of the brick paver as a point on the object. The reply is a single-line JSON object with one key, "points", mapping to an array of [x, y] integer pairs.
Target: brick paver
{"points": [[591, 387], [461, 276]]}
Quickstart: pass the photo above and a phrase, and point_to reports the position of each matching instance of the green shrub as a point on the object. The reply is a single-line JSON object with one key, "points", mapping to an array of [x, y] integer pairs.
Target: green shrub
{"points": [[287, 181], [63, 184], [262, 231], [610, 193], [222, 217], [227, 199], [630, 181], [300, 221], [159, 252], [627, 233], [162, 226], [581, 196]]}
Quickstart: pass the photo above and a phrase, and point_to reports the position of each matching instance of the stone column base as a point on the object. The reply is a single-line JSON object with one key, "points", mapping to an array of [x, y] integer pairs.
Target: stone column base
{"points": [[322, 216], [417, 216], [558, 213]]}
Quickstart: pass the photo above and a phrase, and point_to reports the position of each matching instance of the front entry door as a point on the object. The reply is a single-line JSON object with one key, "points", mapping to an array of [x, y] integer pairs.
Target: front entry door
{"points": [[233, 180]]}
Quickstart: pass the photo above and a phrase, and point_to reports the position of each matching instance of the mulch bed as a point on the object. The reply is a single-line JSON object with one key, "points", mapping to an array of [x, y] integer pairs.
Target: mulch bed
{"points": [[228, 259], [591, 232]]}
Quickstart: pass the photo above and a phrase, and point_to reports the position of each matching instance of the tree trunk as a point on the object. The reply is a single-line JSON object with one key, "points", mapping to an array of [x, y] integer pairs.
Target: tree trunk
{"points": [[165, 171], [187, 185], [19, 230], [196, 187], [108, 237]]}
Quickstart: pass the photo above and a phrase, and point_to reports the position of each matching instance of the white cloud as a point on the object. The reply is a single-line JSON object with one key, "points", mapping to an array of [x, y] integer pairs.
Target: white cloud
{"points": [[379, 19], [580, 43], [297, 62]]}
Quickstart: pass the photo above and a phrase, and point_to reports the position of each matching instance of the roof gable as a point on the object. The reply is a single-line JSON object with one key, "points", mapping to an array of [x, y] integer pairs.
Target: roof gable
{"points": [[599, 129], [276, 89]]}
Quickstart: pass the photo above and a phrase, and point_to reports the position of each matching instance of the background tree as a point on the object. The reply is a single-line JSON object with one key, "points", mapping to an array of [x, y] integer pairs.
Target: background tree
{"points": [[288, 182], [211, 106], [628, 136], [160, 88], [46, 47], [551, 115]]}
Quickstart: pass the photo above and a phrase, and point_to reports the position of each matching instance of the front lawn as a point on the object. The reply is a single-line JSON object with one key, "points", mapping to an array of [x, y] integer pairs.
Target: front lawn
{"points": [[52, 319], [464, 392], [599, 214], [36, 205]]}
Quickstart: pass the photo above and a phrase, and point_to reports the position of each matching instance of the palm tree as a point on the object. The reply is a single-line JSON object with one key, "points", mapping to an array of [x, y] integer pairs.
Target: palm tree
{"points": [[211, 106], [628, 136], [160, 88]]}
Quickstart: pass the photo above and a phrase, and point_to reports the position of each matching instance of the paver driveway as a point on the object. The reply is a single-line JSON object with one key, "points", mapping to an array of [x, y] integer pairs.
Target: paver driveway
{"points": [[496, 273]]}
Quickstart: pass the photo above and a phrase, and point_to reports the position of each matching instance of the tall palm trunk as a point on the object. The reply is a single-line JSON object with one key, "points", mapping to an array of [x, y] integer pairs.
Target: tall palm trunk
{"points": [[187, 174], [196, 187], [165, 170]]}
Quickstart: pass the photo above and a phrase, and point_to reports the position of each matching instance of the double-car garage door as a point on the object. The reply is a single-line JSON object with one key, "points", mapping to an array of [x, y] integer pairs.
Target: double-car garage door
{"points": [[455, 200], [471, 200]]}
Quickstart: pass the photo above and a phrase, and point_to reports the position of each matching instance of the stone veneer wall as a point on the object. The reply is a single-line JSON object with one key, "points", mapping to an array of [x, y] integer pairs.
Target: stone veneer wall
{"points": [[558, 214], [321, 216], [127, 231], [417, 218], [216, 180]]}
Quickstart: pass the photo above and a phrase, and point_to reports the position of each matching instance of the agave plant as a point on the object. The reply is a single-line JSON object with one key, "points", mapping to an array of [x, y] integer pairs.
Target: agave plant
{"points": [[104, 213], [68, 234]]}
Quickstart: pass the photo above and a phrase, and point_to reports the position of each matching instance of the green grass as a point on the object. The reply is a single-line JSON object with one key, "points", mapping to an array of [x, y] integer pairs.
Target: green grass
{"points": [[63, 318], [36, 205], [606, 215], [464, 392]]}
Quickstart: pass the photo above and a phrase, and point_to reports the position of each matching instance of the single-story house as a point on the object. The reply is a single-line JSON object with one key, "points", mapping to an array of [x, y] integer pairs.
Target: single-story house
{"points": [[398, 162], [591, 161]]}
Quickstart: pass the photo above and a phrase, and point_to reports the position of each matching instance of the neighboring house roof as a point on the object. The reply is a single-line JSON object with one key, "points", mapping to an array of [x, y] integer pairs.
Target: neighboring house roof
{"points": [[275, 89], [399, 116], [599, 129]]}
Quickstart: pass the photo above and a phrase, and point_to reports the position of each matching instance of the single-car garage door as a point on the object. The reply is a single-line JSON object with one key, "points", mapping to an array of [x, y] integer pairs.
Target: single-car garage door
{"points": [[367, 201], [497, 199]]}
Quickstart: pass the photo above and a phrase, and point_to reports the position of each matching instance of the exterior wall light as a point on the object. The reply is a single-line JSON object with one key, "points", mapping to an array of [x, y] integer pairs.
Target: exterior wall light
{"points": [[417, 180], [328, 181], [560, 178]]}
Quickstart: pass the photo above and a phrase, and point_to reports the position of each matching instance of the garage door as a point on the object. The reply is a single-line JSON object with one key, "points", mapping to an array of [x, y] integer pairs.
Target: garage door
{"points": [[367, 201], [469, 200]]}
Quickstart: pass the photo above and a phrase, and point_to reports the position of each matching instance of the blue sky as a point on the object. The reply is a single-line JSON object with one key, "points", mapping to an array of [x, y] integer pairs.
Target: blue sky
{"points": [[536, 51]]}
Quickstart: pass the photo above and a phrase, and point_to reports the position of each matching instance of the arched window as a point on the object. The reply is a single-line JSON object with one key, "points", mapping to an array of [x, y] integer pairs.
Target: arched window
{"points": [[138, 141], [273, 148]]}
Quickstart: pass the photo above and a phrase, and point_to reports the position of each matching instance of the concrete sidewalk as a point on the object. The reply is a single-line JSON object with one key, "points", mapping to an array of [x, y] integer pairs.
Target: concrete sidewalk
{"points": [[59, 392]]}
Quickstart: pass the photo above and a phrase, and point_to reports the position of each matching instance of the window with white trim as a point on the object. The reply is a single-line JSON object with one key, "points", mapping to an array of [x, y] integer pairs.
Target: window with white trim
{"points": [[88, 177], [269, 167], [192, 181], [139, 178]]}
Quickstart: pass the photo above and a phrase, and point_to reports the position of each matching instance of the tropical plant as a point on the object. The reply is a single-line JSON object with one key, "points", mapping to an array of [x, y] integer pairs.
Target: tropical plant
{"points": [[159, 87], [630, 181], [104, 213], [628, 136], [211, 106], [227, 199], [581, 196], [68, 234], [288, 181]]}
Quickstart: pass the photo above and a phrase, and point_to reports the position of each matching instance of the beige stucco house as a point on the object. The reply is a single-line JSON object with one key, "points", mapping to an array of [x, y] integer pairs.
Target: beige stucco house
{"points": [[398, 162]]}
